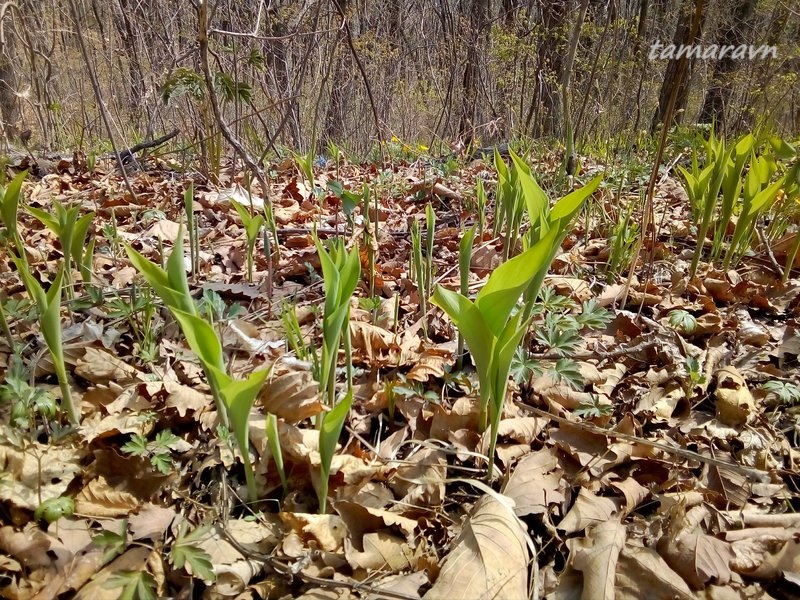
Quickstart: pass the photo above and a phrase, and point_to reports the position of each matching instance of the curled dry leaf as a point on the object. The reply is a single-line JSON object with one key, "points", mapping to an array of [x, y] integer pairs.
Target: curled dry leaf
{"points": [[641, 572], [698, 557], [98, 366], [420, 479], [489, 559], [325, 532], [100, 499], [735, 403]]}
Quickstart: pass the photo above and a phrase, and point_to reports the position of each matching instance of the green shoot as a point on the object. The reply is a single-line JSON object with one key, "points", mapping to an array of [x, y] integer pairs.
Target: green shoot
{"points": [[252, 228], [49, 305], [329, 432]]}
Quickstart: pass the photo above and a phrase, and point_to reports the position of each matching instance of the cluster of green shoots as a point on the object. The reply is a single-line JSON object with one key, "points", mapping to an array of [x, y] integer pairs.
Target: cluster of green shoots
{"points": [[71, 230], [493, 324], [736, 185], [234, 397]]}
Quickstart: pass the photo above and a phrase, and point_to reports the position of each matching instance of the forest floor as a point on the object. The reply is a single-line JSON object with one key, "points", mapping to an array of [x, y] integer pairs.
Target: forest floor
{"points": [[640, 454]]}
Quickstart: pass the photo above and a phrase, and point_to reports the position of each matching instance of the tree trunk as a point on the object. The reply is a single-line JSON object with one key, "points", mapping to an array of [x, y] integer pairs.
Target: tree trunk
{"points": [[719, 90], [333, 128], [544, 118], [275, 53], [687, 32], [9, 106], [479, 12], [569, 136]]}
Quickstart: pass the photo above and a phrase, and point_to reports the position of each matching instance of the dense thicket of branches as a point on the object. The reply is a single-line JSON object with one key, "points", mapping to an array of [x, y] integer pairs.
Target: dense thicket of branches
{"points": [[299, 73]]}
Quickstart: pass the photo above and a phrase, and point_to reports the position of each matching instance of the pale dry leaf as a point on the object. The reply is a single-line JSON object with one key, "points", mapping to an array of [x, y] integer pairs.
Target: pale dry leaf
{"points": [[596, 556], [382, 551], [764, 552], [589, 510], [40, 472], [370, 341], [151, 522], [521, 429], [464, 414], [535, 483], [488, 560], [235, 571], [326, 532], [361, 520], [641, 573], [28, 546], [101, 367], [419, 480], [184, 398], [431, 363], [134, 559], [735, 403], [96, 427], [164, 230], [634, 492], [406, 584]]}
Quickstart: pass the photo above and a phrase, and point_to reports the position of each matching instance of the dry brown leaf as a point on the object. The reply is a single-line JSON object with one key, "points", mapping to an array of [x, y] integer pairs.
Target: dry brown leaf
{"points": [[382, 551], [488, 560], [95, 427], [98, 366], [406, 584], [589, 510], [326, 532], [184, 398], [134, 559], [642, 573], [521, 429], [164, 230], [29, 546], [100, 499], [361, 520], [764, 552], [293, 396], [419, 481], [698, 557], [234, 571], [535, 483], [151, 522], [429, 364], [634, 492], [373, 343]]}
